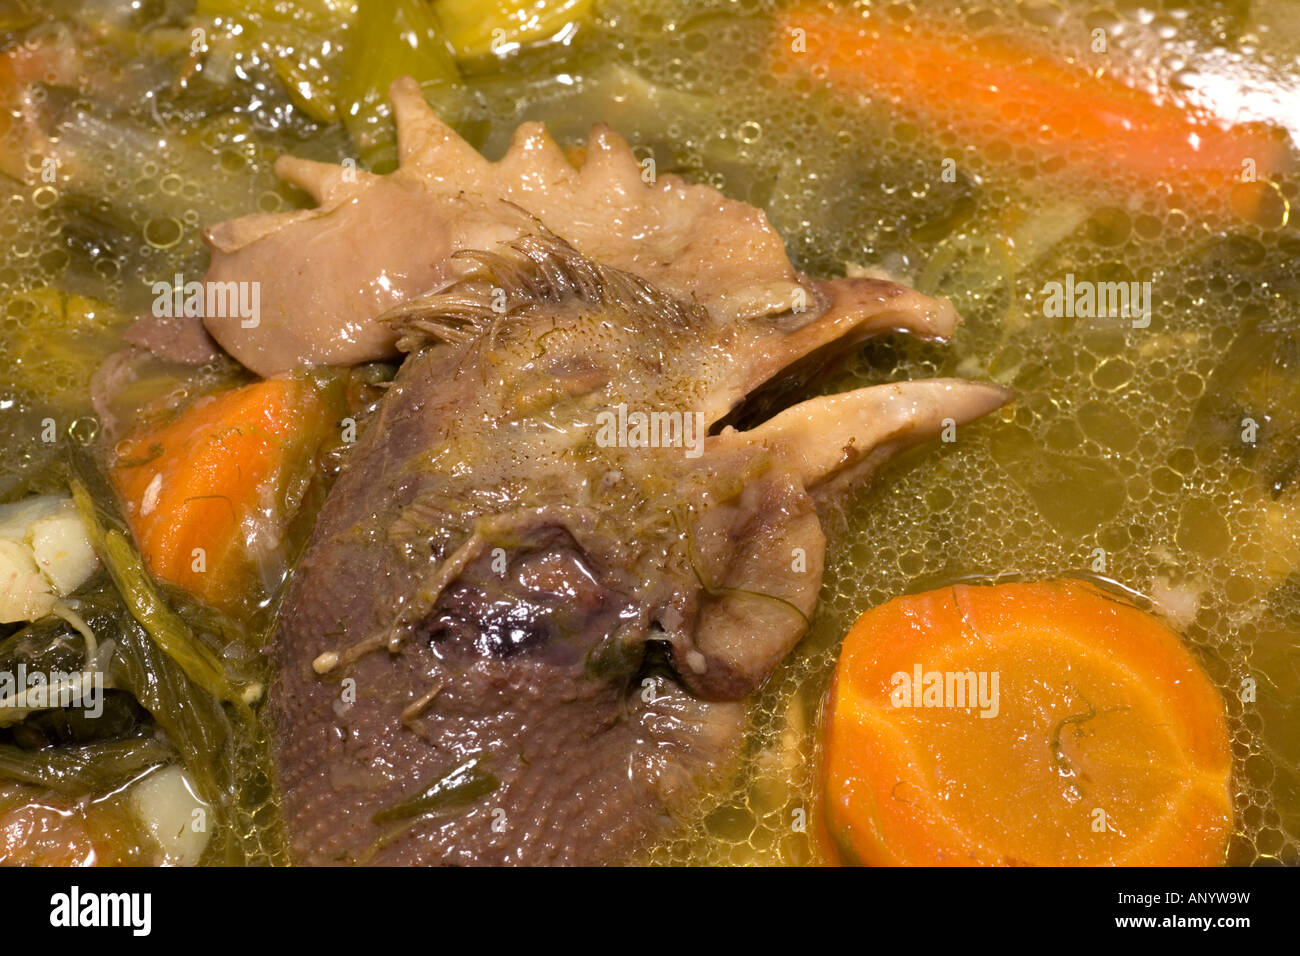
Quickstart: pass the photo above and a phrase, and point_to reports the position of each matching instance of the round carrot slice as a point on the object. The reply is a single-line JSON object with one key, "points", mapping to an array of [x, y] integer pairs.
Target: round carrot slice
{"points": [[1048, 724]]}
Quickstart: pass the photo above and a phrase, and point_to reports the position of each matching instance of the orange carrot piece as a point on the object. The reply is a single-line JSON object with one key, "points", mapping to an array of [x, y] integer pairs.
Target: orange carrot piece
{"points": [[1101, 742], [994, 94], [57, 831], [204, 494]]}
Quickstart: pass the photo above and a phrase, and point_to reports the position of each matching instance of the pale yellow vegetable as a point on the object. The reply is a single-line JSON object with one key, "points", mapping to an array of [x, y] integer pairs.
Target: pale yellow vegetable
{"points": [[476, 28], [45, 554], [166, 805]]}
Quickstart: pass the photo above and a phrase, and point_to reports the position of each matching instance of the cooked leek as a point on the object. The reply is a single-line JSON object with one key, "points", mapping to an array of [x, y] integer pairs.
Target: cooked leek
{"points": [[93, 768], [172, 635]]}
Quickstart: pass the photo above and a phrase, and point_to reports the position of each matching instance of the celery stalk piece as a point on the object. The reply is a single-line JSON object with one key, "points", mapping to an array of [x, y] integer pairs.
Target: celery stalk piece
{"points": [[390, 38]]}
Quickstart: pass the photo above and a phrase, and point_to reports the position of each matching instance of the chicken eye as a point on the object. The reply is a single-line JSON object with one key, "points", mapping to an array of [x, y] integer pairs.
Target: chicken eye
{"points": [[508, 602]]}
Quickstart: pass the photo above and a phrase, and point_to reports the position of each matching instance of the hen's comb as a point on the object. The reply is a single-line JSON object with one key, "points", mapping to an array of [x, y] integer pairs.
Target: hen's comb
{"points": [[327, 274]]}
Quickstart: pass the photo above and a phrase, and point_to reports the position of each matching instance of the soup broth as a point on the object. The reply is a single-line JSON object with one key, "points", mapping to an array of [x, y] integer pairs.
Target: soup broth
{"points": [[1156, 452]]}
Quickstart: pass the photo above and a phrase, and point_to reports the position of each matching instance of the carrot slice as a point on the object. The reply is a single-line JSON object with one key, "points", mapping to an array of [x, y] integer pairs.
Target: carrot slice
{"points": [[210, 493], [996, 95], [37, 834], [1089, 734]]}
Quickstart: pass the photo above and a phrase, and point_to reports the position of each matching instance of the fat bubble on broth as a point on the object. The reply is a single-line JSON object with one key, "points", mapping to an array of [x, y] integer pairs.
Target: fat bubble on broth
{"points": [[1159, 457]]}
